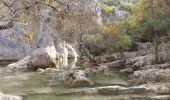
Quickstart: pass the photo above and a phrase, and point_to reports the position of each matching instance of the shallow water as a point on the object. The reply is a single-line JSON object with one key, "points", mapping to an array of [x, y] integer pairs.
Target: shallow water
{"points": [[49, 86]]}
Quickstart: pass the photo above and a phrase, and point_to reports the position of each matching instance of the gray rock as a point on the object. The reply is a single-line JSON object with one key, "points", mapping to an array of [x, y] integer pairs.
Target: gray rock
{"points": [[9, 97], [13, 50], [144, 46], [150, 75], [38, 59], [77, 78], [118, 63], [157, 66], [145, 89], [139, 62]]}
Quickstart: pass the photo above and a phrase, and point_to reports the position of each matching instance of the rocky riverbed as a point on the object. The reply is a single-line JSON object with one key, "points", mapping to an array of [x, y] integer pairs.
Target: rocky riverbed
{"points": [[142, 70], [142, 78], [48, 84]]}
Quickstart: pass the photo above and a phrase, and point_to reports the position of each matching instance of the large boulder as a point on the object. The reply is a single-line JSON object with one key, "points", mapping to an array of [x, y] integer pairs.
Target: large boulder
{"points": [[40, 58], [77, 78], [138, 62], [9, 97]]}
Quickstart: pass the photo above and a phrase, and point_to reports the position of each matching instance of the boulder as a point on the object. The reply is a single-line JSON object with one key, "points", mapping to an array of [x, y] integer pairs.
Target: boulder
{"points": [[77, 78], [150, 76], [37, 59], [139, 62], [9, 97]]}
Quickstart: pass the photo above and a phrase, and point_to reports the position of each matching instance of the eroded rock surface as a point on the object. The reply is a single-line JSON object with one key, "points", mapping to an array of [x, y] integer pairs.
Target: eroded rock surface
{"points": [[150, 75], [38, 59], [145, 89], [77, 78]]}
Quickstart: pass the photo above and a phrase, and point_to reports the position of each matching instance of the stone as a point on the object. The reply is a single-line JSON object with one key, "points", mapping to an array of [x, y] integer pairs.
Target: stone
{"points": [[145, 89], [77, 78], [38, 59], [150, 76], [9, 97]]}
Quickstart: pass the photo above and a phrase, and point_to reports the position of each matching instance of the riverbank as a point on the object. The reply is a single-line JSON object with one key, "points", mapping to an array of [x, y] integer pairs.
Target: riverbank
{"points": [[141, 67]]}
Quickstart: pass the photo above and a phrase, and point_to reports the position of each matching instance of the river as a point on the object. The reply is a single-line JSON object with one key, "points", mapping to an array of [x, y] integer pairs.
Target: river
{"points": [[49, 86]]}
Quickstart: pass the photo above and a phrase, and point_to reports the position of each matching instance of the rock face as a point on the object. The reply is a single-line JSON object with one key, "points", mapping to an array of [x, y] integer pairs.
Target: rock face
{"points": [[9, 97], [150, 75], [141, 61], [144, 67], [38, 59], [77, 78], [16, 43], [12, 49]]}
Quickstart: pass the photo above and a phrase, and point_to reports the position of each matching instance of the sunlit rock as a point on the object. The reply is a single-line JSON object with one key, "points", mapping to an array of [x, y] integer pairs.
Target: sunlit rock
{"points": [[77, 78], [9, 97], [37, 59], [145, 89]]}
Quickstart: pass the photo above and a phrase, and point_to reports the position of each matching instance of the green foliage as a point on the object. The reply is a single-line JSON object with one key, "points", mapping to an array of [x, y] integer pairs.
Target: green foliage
{"points": [[126, 6], [47, 1], [123, 42], [143, 20], [23, 16], [147, 16], [117, 38], [108, 8]]}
